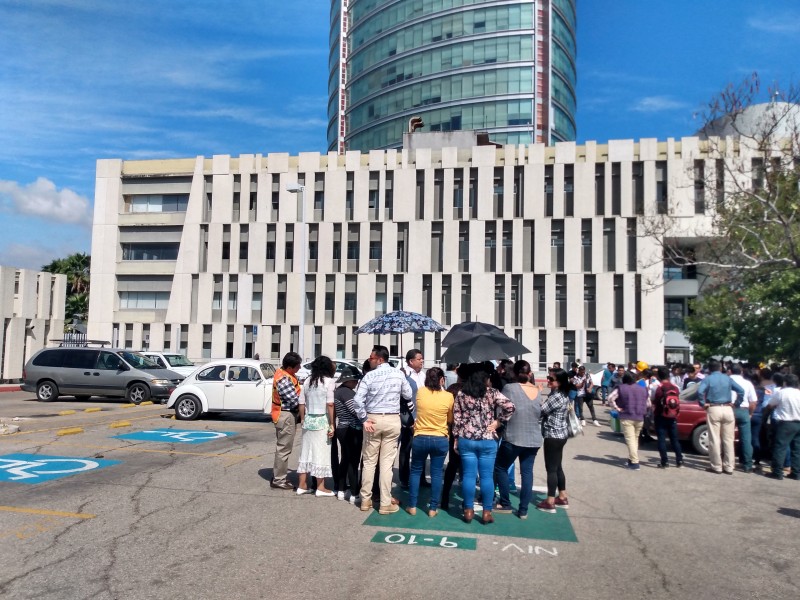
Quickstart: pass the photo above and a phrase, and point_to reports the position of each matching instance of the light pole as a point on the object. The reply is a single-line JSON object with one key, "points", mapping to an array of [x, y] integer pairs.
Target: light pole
{"points": [[296, 188]]}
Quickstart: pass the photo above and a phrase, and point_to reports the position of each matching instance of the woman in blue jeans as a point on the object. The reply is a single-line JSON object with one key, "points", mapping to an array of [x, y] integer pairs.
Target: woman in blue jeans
{"points": [[522, 439], [434, 413], [474, 427]]}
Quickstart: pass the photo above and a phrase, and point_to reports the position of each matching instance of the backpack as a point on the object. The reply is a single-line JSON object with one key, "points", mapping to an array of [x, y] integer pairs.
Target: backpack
{"points": [[672, 404]]}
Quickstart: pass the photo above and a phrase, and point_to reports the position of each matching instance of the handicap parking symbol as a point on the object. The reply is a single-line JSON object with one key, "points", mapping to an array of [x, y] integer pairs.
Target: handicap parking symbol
{"points": [[176, 435], [37, 468]]}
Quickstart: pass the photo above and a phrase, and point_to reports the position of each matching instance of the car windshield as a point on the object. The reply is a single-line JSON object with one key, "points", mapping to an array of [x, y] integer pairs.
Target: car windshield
{"points": [[178, 360], [139, 361], [267, 370]]}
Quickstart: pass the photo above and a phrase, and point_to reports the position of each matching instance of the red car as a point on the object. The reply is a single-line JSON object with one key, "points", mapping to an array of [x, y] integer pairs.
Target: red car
{"points": [[692, 426]]}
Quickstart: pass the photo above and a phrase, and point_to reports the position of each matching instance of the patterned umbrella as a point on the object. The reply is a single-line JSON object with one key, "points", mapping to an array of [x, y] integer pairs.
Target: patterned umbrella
{"points": [[400, 321], [483, 347], [469, 329]]}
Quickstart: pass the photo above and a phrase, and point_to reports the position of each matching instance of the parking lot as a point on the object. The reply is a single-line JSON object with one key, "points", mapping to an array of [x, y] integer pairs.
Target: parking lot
{"points": [[155, 508]]}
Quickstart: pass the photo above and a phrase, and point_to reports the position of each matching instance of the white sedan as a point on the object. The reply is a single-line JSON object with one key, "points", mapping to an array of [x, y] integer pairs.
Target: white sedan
{"points": [[241, 385]]}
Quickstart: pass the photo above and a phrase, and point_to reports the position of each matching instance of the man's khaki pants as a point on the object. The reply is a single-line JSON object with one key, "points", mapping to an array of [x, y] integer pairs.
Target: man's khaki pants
{"points": [[631, 431], [285, 428], [379, 447], [721, 428]]}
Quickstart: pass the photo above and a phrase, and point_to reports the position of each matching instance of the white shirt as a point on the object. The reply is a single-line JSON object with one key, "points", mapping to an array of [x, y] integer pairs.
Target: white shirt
{"points": [[749, 392], [787, 401], [419, 378]]}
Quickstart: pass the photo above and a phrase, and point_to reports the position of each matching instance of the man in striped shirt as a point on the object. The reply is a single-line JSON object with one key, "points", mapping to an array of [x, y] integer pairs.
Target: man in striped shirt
{"points": [[377, 403]]}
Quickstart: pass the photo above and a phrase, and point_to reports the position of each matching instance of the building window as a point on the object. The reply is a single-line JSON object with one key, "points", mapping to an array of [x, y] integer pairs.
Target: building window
{"points": [[699, 187], [143, 251], [447, 298], [489, 244], [600, 189], [466, 298], [586, 245], [143, 300], [420, 195], [500, 300], [519, 188], [437, 246], [609, 245], [616, 189], [638, 187], [589, 301], [388, 197], [557, 245], [438, 194], [538, 300], [661, 187], [561, 300], [674, 314], [548, 190], [156, 203], [497, 193], [569, 190]]}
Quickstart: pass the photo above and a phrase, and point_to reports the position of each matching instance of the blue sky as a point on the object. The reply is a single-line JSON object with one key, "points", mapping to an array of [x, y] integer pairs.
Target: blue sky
{"points": [[88, 79]]}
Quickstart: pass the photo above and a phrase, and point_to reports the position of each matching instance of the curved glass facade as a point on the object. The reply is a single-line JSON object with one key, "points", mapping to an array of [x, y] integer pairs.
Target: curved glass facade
{"points": [[458, 64]]}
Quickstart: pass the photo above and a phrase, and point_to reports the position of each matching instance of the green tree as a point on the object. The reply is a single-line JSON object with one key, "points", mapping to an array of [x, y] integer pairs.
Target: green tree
{"points": [[76, 268]]}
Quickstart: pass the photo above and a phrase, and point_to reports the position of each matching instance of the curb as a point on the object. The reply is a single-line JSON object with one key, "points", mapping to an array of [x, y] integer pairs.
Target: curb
{"points": [[92, 409], [69, 431], [10, 388], [64, 413], [117, 424]]}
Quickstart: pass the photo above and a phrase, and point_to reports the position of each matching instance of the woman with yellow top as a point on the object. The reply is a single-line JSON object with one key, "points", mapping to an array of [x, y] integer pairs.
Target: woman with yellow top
{"points": [[434, 413]]}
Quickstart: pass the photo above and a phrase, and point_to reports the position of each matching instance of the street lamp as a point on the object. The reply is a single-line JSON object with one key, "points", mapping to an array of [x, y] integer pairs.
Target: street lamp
{"points": [[296, 188]]}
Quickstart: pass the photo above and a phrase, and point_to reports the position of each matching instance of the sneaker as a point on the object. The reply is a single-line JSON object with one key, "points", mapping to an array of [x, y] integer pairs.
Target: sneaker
{"points": [[301, 491], [776, 475], [712, 470], [321, 494], [502, 510], [340, 495], [596, 423], [633, 466], [562, 503], [388, 509], [583, 423], [366, 505], [545, 506], [663, 465], [522, 516], [679, 465], [281, 486], [354, 498], [795, 476]]}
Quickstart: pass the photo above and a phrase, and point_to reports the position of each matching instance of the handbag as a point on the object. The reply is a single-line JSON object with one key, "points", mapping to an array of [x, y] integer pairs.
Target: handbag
{"points": [[573, 424]]}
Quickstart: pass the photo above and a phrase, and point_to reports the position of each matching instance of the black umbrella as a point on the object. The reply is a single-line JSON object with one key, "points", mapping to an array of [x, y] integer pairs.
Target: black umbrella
{"points": [[483, 347], [468, 330]]}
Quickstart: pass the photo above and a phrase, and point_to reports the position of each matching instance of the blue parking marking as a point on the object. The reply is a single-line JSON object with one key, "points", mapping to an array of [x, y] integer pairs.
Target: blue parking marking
{"points": [[181, 436], [38, 468]]}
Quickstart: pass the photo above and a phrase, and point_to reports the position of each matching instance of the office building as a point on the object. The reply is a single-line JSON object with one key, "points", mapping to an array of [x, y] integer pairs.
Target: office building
{"points": [[32, 309], [506, 68], [205, 255]]}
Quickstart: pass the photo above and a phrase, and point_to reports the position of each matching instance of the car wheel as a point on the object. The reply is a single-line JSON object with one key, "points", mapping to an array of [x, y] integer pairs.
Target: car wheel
{"points": [[188, 408], [82, 398], [46, 391], [137, 393], [700, 439]]}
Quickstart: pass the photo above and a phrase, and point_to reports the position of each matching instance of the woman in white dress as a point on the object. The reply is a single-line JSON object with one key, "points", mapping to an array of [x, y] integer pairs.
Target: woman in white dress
{"points": [[316, 417]]}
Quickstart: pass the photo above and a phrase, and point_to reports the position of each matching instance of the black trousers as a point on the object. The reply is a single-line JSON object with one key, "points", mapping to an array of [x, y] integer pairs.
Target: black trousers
{"points": [[453, 467], [346, 472], [406, 437], [553, 453], [588, 400]]}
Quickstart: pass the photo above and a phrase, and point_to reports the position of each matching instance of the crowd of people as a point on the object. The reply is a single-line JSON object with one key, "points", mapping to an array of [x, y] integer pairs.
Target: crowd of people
{"points": [[762, 403], [481, 419], [480, 424]]}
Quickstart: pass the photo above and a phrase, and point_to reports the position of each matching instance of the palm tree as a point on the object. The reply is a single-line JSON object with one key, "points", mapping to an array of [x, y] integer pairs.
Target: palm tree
{"points": [[76, 268]]}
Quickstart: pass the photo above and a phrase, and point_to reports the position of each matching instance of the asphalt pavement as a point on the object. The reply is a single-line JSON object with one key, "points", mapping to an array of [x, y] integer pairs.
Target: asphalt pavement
{"points": [[175, 509]]}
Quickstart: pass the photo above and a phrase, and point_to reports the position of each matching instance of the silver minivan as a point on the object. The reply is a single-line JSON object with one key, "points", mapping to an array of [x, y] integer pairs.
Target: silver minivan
{"points": [[86, 372]]}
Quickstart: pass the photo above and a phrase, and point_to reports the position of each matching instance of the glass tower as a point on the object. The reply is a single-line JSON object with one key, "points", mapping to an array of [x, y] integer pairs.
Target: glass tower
{"points": [[500, 66]]}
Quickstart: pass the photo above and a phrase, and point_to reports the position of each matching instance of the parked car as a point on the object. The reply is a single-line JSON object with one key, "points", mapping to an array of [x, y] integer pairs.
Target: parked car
{"points": [[341, 363], [175, 362], [85, 372], [231, 384]]}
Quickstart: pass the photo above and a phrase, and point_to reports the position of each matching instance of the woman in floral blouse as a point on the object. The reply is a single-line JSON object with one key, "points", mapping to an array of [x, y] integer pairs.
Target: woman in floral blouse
{"points": [[477, 413], [554, 430]]}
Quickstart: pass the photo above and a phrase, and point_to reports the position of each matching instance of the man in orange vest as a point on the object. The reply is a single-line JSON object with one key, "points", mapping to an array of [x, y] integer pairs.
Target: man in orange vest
{"points": [[286, 416]]}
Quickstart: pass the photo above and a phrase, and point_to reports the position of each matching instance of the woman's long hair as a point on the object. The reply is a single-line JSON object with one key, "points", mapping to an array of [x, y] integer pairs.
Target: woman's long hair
{"points": [[564, 384], [322, 366], [433, 379], [475, 385]]}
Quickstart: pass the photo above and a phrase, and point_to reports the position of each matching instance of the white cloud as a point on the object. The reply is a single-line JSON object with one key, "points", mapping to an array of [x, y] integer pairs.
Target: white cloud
{"points": [[787, 23], [41, 199], [652, 104]]}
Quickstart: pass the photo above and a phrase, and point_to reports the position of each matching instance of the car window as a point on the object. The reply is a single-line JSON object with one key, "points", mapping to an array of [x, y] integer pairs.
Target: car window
{"points": [[50, 358], [157, 360], [178, 360], [109, 361], [138, 361], [242, 373], [80, 359], [215, 373], [267, 370]]}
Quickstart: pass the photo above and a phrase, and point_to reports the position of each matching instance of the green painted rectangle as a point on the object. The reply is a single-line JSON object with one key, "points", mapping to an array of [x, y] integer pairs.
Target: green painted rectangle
{"points": [[403, 538]]}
